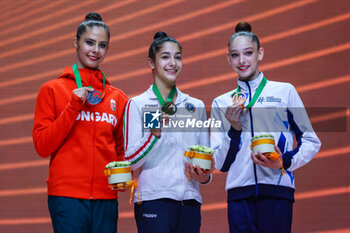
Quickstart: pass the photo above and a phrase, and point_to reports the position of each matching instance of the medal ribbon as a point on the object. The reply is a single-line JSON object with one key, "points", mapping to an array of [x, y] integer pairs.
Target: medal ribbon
{"points": [[257, 92], [78, 79], [159, 96], [166, 105]]}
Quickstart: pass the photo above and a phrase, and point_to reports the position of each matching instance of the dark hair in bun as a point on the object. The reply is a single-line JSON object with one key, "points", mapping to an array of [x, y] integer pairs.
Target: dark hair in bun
{"points": [[160, 35], [159, 39], [244, 29], [93, 16], [92, 19]]}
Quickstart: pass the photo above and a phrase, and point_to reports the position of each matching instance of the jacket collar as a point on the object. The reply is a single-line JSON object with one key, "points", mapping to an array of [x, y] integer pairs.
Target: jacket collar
{"points": [[89, 77], [252, 84], [181, 97]]}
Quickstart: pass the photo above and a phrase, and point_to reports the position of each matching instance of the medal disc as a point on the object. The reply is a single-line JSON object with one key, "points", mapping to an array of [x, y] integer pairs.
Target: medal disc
{"points": [[94, 97], [239, 98], [169, 108]]}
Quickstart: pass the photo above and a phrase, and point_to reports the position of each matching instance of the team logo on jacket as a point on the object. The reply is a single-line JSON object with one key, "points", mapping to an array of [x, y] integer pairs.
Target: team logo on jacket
{"points": [[190, 107], [113, 105], [151, 119], [261, 99]]}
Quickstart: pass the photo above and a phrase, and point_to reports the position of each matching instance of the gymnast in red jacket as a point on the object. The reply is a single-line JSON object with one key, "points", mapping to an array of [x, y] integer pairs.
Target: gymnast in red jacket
{"points": [[78, 123]]}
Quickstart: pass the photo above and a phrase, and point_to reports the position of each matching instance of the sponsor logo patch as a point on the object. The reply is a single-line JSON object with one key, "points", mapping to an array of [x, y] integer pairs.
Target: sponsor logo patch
{"points": [[190, 107], [273, 99]]}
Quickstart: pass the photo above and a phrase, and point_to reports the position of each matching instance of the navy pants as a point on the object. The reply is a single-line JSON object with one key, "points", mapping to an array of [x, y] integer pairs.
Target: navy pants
{"points": [[260, 215], [72, 215], [168, 216]]}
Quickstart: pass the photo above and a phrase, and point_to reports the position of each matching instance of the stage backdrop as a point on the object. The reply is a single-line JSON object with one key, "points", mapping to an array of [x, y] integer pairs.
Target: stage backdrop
{"points": [[306, 43]]}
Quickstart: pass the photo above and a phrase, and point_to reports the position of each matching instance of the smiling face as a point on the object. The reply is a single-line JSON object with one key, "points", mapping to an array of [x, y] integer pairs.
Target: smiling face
{"points": [[244, 57], [91, 48], [167, 64]]}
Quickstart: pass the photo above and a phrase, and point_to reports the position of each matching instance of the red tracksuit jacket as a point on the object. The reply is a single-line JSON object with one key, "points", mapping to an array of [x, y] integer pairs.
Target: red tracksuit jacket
{"points": [[79, 138]]}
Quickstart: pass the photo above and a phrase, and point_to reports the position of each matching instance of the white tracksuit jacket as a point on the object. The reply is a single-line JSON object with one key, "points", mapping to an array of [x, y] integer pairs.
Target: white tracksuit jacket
{"points": [[161, 160], [278, 111]]}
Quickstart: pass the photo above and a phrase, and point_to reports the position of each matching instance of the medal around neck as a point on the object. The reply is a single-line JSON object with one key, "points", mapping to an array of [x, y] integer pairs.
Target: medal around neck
{"points": [[168, 106], [255, 96], [94, 97]]}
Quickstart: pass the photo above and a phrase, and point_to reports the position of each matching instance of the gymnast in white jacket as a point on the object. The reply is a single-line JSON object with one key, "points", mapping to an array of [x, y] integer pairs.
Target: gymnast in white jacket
{"points": [[170, 199], [260, 195]]}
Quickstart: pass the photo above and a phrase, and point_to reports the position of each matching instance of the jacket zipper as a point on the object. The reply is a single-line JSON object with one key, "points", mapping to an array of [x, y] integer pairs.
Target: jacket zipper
{"points": [[183, 184], [93, 160], [252, 133]]}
